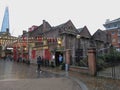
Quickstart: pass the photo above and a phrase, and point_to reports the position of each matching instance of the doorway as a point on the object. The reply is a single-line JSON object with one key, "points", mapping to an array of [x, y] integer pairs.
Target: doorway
{"points": [[57, 58]]}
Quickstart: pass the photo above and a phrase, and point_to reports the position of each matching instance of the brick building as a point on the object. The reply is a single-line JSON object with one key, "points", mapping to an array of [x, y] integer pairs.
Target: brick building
{"points": [[113, 28]]}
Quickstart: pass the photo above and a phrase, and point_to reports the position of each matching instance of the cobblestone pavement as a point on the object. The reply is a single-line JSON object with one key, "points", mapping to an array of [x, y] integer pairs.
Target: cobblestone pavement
{"points": [[111, 72], [39, 84], [92, 83], [19, 76], [98, 83]]}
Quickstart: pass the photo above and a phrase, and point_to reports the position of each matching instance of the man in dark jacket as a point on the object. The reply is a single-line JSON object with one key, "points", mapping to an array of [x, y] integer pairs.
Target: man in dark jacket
{"points": [[39, 61]]}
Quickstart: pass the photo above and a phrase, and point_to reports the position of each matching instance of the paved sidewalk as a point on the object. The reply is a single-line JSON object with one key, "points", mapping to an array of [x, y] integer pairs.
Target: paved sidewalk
{"points": [[88, 82], [39, 84], [67, 75]]}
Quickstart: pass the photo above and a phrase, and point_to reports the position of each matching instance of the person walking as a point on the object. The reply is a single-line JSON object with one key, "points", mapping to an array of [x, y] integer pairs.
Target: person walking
{"points": [[39, 61], [60, 59]]}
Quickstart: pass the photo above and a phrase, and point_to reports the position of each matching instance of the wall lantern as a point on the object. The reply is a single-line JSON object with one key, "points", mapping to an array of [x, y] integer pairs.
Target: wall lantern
{"points": [[59, 41]]}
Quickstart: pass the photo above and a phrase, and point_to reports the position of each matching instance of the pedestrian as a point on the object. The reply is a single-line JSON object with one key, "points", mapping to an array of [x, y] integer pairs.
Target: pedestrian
{"points": [[60, 59], [39, 61]]}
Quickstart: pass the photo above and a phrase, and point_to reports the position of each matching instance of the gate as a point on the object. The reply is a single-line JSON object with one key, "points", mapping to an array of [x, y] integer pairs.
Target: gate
{"points": [[81, 59]]}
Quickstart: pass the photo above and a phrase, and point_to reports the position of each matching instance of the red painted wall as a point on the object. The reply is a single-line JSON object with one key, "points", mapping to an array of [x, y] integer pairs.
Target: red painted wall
{"points": [[47, 54]]}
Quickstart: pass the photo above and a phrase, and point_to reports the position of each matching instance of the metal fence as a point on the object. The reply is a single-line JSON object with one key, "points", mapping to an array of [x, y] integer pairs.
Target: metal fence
{"points": [[112, 70], [108, 66]]}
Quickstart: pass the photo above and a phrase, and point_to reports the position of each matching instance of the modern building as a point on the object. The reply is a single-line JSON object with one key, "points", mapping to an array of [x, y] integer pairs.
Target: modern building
{"points": [[113, 28], [5, 23], [112, 24]]}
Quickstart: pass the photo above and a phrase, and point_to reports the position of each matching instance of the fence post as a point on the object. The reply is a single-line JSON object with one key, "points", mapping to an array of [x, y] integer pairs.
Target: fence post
{"points": [[92, 61]]}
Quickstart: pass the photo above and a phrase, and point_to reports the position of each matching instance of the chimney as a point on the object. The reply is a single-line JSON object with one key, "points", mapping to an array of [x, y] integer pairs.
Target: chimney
{"points": [[44, 21], [24, 32], [44, 25]]}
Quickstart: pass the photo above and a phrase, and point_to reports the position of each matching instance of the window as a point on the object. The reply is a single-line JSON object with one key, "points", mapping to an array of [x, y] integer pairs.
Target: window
{"points": [[108, 26], [115, 25], [118, 39], [119, 32], [112, 33], [113, 40]]}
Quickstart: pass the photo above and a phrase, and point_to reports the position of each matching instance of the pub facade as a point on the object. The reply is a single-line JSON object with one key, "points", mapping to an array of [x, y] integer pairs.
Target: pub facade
{"points": [[51, 41]]}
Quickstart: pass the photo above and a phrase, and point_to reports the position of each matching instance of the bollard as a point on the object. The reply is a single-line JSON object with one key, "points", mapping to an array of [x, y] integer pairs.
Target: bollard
{"points": [[66, 67]]}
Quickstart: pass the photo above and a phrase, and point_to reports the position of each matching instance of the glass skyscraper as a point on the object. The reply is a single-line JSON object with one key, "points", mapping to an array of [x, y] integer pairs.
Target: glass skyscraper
{"points": [[5, 23]]}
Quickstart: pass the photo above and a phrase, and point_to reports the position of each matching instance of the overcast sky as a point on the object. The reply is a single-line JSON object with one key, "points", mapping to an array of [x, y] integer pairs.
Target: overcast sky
{"points": [[92, 13]]}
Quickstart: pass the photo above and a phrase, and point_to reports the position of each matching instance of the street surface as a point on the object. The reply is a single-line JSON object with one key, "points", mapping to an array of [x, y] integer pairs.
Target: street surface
{"points": [[20, 76], [14, 70]]}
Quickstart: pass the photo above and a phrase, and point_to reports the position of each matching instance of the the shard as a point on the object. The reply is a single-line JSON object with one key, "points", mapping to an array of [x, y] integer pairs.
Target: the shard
{"points": [[5, 23]]}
